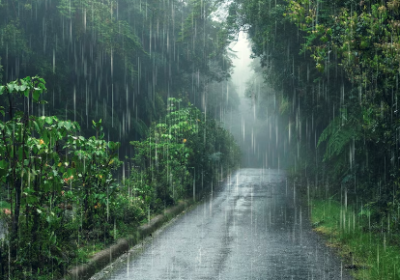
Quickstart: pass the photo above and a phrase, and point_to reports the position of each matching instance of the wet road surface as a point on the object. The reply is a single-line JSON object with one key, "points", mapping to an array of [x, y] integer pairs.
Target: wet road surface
{"points": [[252, 227]]}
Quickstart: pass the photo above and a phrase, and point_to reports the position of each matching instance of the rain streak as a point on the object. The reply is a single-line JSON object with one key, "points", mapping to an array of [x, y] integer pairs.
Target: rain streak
{"points": [[199, 139]]}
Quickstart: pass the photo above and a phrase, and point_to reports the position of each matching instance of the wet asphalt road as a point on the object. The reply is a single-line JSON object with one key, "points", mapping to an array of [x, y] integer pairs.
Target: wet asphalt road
{"points": [[249, 228]]}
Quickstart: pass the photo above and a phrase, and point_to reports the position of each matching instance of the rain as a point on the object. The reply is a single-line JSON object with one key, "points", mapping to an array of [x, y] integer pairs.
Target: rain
{"points": [[199, 139]]}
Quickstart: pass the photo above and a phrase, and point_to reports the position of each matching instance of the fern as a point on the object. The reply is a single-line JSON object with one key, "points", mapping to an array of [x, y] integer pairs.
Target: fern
{"points": [[338, 136], [332, 126], [339, 139]]}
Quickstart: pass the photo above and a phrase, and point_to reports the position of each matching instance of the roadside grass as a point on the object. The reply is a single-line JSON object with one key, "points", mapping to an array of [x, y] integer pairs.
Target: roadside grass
{"points": [[369, 255], [123, 230]]}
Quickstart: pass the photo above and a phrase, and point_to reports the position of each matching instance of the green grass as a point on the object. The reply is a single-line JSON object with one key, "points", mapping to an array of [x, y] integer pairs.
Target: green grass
{"points": [[368, 255]]}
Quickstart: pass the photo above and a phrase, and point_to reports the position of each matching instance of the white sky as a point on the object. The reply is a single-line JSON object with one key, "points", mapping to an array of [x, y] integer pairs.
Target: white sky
{"points": [[242, 71]]}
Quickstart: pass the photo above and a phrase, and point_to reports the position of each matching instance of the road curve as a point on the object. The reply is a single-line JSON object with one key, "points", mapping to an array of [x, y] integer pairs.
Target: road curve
{"points": [[252, 227]]}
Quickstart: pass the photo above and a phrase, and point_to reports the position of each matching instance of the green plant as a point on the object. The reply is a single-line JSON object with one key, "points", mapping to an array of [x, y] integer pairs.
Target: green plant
{"points": [[49, 178]]}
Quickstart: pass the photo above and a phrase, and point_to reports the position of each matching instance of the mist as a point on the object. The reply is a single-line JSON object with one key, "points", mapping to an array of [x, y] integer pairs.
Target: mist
{"points": [[242, 112], [254, 123]]}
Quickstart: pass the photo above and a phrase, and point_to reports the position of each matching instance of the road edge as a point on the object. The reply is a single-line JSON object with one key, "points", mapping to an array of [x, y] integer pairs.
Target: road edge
{"points": [[110, 254], [305, 200]]}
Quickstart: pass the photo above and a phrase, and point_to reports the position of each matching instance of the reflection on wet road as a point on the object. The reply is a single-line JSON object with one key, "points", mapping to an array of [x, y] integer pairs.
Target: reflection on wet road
{"points": [[250, 228]]}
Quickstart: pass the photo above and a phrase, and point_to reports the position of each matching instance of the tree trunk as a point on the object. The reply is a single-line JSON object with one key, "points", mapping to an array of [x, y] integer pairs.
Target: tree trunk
{"points": [[15, 220], [35, 229]]}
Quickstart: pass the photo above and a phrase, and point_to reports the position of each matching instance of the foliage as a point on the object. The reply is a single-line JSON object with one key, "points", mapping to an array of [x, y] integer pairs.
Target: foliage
{"points": [[58, 185], [370, 251], [338, 135], [103, 57], [363, 38], [334, 68], [180, 153], [58, 189], [116, 62]]}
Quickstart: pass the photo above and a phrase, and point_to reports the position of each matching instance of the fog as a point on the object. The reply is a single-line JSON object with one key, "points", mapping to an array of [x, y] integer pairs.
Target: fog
{"points": [[254, 123], [114, 111]]}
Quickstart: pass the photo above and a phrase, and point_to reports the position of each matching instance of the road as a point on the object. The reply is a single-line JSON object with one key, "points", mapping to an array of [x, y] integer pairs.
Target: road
{"points": [[252, 227]]}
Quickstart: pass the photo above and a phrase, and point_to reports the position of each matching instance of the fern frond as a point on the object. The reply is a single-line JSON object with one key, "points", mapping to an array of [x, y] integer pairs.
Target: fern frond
{"points": [[338, 136], [338, 140], [331, 128]]}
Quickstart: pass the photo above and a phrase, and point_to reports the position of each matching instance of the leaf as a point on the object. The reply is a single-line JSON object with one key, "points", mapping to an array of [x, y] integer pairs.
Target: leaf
{"points": [[332, 126], [36, 94], [111, 145], [11, 87], [3, 172], [65, 124], [2, 88], [53, 238], [41, 85], [337, 137], [20, 153], [49, 120], [22, 88], [36, 125]]}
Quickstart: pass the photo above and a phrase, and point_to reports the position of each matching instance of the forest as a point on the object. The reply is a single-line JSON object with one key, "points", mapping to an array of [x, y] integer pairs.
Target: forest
{"points": [[108, 114], [111, 112], [334, 67]]}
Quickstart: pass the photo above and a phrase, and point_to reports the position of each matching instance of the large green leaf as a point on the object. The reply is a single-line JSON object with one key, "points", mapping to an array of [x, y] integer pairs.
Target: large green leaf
{"points": [[36, 94], [11, 87]]}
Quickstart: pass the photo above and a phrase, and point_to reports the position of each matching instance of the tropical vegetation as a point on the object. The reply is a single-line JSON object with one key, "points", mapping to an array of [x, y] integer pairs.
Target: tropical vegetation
{"points": [[334, 69], [109, 116], [60, 191]]}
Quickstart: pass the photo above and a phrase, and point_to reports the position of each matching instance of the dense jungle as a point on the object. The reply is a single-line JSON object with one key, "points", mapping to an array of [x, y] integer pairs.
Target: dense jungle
{"points": [[114, 110]]}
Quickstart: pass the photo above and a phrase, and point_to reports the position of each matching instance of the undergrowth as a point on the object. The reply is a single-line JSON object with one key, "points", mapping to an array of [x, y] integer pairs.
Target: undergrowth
{"points": [[368, 254]]}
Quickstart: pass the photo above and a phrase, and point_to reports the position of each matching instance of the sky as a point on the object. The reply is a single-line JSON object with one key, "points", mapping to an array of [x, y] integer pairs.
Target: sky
{"points": [[241, 123], [257, 137], [242, 71]]}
